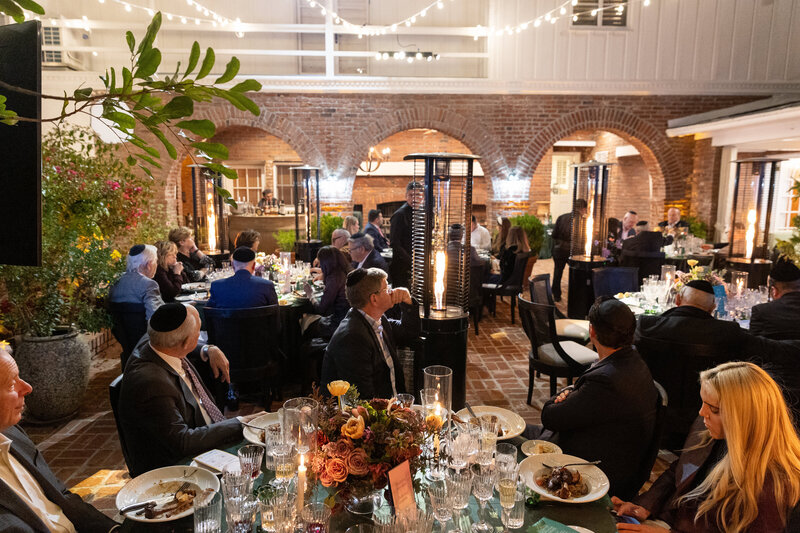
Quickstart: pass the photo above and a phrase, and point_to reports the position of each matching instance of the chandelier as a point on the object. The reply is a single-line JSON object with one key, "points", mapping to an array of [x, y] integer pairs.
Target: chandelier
{"points": [[374, 160]]}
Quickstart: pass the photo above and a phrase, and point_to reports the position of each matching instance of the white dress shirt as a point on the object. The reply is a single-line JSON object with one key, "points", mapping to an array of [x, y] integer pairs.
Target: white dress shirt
{"points": [[29, 491], [175, 363], [480, 238], [377, 327]]}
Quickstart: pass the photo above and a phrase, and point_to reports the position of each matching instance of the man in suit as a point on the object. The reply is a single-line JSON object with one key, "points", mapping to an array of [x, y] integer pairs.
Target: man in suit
{"points": [[400, 232], [373, 229], [628, 227], [780, 318], [364, 254], [137, 285], [610, 413], [243, 289], [562, 242], [673, 221], [32, 499], [165, 411], [363, 350], [644, 241]]}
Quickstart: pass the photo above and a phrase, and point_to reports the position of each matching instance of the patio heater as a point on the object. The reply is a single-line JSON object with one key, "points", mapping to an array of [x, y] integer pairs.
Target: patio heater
{"points": [[305, 189], [208, 223], [589, 232], [440, 263], [753, 194]]}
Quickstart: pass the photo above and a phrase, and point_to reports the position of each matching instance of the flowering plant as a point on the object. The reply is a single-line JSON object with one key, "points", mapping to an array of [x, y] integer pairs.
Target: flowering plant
{"points": [[715, 277], [266, 263], [358, 446]]}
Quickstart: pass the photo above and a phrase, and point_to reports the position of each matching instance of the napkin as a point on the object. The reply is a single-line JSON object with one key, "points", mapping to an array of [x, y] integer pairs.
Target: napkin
{"points": [[545, 525]]}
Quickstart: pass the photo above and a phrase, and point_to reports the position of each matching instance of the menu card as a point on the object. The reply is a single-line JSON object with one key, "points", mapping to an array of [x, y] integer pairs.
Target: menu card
{"points": [[402, 489]]}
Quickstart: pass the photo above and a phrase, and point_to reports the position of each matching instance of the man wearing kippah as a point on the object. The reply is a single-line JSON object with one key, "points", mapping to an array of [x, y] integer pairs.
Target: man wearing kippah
{"points": [[165, 411], [137, 284], [243, 289], [780, 318]]}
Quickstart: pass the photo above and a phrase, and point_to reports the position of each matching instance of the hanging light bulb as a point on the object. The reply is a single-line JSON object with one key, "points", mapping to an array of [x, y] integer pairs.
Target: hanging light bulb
{"points": [[574, 18], [423, 12], [429, 59], [198, 7], [440, 5], [553, 20], [547, 16], [537, 23], [197, 22], [594, 12], [149, 12], [128, 8], [563, 10], [524, 26], [410, 59], [377, 56], [437, 57], [183, 20], [408, 23], [574, 2], [413, 19], [646, 3], [386, 55], [169, 16]]}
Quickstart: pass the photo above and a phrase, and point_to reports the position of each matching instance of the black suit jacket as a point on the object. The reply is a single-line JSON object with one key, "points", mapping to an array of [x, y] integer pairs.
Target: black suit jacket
{"points": [[646, 241], [679, 224], [400, 232], [354, 354], [377, 238], [160, 418], [375, 260], [778, 319], [609, 416], [17, 517]]}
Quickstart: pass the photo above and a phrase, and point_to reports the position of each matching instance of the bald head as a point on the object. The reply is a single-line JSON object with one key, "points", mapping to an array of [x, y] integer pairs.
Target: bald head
{"points": [[673, 215], [13, 390], [339, 237], [689, 296]]}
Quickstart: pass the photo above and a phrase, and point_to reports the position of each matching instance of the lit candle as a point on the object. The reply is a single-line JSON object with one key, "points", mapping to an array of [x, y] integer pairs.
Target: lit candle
{"points": [[301, 485], [739, 287]]}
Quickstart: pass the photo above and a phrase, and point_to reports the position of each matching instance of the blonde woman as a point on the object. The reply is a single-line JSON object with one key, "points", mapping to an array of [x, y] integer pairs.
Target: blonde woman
{"points": [[169, 274], [351, 224], [741, 473]]}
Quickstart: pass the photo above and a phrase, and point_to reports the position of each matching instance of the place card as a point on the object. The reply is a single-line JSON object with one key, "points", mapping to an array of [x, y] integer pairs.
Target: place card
{"points": [[216, 460], [402, 489]]}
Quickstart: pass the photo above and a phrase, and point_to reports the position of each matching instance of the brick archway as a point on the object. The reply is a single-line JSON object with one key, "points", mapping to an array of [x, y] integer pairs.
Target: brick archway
{"points": [[450, 123], [654, 146]]}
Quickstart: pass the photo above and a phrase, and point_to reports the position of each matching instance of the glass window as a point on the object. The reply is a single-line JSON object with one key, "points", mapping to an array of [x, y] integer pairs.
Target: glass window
{"points": [[605, 13], [248, 187], [788, 202]]}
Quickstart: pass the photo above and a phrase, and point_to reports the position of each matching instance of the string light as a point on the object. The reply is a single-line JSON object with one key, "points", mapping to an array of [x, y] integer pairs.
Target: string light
{"points": [[408, 21]]}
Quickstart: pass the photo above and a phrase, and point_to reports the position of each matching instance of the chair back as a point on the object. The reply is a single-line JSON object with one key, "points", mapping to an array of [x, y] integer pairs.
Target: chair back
{"points": [[539, 324], [249, 338], [514, 283], [113, 396], [540, 290], [677, 366], [129, 325], [611, 280], [476, 275], [648, 263], [651, 453]]}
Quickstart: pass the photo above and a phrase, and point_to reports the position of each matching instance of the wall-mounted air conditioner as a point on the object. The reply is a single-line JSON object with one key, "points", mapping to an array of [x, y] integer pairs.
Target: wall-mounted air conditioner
{"points": [[64, 58]]}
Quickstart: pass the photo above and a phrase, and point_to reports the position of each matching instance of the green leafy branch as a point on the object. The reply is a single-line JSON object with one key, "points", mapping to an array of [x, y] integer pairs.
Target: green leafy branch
{"points": [[133, 97], [14, 8], [791, 247]]}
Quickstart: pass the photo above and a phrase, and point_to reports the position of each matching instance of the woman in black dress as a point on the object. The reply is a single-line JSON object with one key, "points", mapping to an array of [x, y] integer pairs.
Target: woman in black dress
{"points": [[333, 305]]}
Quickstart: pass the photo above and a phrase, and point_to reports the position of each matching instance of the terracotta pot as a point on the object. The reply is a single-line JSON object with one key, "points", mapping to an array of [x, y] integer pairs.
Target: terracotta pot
{"points": [[57, 368]]}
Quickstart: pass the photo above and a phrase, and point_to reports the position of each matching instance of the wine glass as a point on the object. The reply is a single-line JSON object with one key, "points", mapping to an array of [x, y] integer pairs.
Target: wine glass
{"points": [[441, 497], [483, 479], [490, 425], [460, 484]]}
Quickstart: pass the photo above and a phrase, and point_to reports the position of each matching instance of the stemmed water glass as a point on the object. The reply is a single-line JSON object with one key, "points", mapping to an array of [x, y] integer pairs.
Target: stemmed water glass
{"points": [[490, 425], [460, 484], [441, 496], [483, 479]]}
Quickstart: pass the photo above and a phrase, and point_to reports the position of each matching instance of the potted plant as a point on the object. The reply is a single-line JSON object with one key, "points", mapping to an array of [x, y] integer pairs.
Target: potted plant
{"points": [[534, 229], [90, 202]]}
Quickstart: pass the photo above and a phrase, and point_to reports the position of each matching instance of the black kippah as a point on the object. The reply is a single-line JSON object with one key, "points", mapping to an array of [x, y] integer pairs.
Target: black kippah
{"points": [[357, 235], [243, 254], [641, 223], [784, 270], [136, 249], [168, 317], [356, 276], [701, 285]]}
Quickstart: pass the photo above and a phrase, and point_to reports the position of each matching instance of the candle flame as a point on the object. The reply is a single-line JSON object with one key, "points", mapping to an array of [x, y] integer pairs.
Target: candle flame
{"points": [[302, 457], [439, 266], [751, 233], [212, 222]]}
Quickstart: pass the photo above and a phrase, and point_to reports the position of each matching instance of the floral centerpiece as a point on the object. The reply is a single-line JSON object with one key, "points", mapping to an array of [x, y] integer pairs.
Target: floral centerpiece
{"points": [[357, 446], [715, 277], [266, 263]]}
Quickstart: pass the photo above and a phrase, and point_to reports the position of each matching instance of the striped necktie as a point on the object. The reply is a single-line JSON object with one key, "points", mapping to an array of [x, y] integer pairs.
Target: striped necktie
{"points": [[199, 389]]}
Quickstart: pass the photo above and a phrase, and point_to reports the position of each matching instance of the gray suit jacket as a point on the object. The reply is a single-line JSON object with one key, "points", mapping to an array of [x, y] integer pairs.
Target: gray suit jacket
{"points": [[161, 421], [17, 517], [135, 288]]}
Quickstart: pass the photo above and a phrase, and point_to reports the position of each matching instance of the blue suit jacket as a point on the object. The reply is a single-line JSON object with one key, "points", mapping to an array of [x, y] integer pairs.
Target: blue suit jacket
{"points": [[242, 290], [135, 288], [377, 238]]}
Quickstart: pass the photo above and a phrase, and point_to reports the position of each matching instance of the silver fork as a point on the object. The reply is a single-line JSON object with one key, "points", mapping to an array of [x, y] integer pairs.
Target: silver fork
{"points": [[572, 464]]}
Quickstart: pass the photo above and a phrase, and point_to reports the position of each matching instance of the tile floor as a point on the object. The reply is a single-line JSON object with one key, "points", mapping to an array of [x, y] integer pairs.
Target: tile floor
{"points": [[86, 455]]}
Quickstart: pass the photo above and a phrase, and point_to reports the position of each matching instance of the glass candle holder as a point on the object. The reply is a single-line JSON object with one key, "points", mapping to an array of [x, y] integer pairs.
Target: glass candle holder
{"points": [[738, 283], [668, 273], [300, 417]]}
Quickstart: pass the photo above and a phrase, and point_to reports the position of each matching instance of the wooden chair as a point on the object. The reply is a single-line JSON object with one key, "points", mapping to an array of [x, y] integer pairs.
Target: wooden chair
{"points": [[567, 329], [511, 287], [250, 339], [548, 355], [611, 280]]}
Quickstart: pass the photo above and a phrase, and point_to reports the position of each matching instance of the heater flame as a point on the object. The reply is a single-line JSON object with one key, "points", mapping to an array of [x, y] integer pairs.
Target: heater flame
{"points": [[750, 236], [589, 227], [439, 266], [211, 216]]}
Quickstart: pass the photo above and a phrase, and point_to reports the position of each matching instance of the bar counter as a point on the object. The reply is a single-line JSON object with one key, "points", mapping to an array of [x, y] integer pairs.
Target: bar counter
{"points": [[266, 225]]}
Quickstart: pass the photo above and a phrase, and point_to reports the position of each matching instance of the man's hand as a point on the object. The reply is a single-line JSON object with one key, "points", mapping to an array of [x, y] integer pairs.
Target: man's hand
{"points": [[401, 295], [562, 395], [247, 418], [629, 509], [219, 364]]}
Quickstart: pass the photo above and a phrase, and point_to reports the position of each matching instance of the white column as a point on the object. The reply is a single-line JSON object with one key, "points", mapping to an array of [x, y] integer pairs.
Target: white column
{"points": [[727, 180], [329, 65]]}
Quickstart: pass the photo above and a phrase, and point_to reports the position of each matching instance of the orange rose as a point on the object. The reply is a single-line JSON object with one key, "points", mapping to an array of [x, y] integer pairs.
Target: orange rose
{"points": [[357, 462], [337, 470], [353, 428], [325, 479]]}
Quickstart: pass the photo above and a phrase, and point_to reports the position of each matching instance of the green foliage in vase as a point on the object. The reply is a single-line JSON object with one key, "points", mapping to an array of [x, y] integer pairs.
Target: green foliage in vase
{"points": [[534, 229], [697, 227], [144, 108], [328, 223], [285, 239], [91, 204]]}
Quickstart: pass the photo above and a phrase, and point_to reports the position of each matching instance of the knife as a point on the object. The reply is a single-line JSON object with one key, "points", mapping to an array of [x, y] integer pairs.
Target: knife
{"points": [[469, 408]]}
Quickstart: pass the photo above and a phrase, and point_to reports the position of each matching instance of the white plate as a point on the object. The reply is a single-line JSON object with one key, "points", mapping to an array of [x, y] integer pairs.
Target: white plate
{"points": [[513, 425], [194, 297], [262, 421], [194, 286], [532, 466], [161, 484], [529, 447]]}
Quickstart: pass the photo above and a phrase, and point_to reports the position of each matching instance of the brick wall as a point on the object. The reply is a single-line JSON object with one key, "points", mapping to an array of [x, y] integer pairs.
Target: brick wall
{"points": [[509, 132]]}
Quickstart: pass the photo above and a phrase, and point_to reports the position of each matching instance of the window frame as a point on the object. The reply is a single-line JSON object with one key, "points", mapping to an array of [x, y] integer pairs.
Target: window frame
{"points": [[598, 25]]}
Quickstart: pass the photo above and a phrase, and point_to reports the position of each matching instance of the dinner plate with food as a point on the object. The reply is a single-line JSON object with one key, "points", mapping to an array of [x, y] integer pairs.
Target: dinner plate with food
{"points": [[256, 436], [538, 447], [511, 424], [165, 494], [195, 296], [579, 483], [196, 286]]}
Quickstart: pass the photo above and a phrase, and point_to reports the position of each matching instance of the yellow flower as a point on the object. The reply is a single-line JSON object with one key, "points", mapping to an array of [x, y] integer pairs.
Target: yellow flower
{"points": [[115, 255], [97, 236], [353, 428], [434, 422], [338, 387], [3, 344], [692, 262]]}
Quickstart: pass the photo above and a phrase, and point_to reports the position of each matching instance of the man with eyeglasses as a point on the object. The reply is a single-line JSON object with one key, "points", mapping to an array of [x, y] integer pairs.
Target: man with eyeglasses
{"points": [[364, 254], [363, 350]]}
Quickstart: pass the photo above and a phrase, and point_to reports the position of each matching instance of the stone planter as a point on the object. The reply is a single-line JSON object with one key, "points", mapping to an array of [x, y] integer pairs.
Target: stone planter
{"points": [[57, 368]]}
